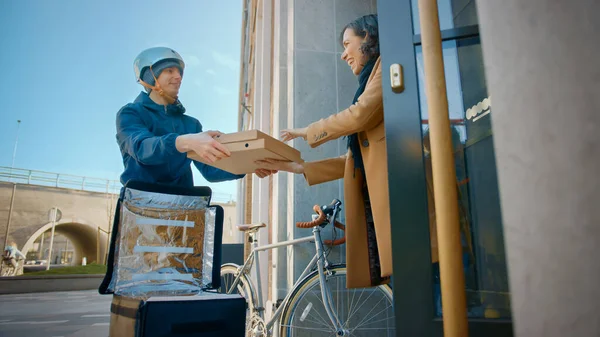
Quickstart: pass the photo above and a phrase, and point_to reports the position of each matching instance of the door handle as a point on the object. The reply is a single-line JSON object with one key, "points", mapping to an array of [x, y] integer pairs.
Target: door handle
{"points": [[396, 78]]}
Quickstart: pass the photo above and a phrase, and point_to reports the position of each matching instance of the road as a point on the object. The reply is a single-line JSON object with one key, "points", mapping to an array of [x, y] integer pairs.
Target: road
{"points": [[66, 314]]}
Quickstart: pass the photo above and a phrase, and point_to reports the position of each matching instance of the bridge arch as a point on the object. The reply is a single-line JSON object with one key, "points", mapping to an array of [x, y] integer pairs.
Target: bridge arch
{"points": [[82, 234]]}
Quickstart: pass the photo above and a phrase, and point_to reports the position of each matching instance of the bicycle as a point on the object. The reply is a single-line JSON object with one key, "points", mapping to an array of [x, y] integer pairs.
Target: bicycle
{"points": [[318, 304], [7, 268]]}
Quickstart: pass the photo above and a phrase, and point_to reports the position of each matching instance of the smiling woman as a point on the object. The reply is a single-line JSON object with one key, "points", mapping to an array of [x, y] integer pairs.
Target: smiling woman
{"points": [[363, 167], [360, 40]]}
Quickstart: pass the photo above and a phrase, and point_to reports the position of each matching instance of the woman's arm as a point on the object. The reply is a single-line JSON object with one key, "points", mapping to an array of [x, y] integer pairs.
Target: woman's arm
{"points": [[322, 171], [365, 114], [315, 172]]}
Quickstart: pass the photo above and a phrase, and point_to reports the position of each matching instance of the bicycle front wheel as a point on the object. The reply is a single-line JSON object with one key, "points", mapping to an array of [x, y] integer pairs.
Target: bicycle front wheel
{"points": [[229, 272], [361, 311]]}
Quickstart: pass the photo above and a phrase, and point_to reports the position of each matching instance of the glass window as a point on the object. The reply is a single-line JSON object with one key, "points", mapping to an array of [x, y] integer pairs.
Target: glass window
{"points": [[476, 181], [452, 13]]}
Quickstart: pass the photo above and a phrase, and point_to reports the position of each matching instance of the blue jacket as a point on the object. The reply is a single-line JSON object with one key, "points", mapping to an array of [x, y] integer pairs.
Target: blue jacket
{"points": [[146, 134]]}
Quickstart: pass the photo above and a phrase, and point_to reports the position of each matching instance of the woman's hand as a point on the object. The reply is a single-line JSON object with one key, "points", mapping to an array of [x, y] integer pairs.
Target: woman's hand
{"points": [[289, 134], [280, 165], [261, 173]]}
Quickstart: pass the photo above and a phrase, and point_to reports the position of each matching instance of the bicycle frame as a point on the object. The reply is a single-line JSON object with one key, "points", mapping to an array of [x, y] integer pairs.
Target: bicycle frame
{"points": [[7, 269], [318, 259]]}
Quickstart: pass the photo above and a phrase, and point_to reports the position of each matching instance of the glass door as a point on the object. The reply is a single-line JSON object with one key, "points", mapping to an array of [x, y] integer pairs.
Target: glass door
{"points": [[416, 281]]}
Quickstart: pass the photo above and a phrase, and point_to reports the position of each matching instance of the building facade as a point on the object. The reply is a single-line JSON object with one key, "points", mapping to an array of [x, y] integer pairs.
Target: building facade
{"points": [[292, 75]]}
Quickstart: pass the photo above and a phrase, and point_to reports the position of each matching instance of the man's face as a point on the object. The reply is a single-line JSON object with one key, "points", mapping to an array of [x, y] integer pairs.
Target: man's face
{"points": [[170, 81]]}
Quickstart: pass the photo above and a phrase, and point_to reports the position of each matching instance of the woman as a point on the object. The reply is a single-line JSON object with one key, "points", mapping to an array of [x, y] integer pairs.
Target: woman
{"points": [[364, 167]]}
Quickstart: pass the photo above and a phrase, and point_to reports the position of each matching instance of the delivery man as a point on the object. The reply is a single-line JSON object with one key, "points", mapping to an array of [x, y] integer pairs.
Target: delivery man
{"points": [[154, 133]]}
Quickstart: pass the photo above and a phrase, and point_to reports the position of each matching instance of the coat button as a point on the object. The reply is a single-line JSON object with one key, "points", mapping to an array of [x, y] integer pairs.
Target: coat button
{"points": [[365, 143]]}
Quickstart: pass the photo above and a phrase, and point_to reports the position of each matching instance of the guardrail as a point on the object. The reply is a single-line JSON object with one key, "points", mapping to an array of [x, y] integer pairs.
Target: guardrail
{"points": [[33, 177], [41, 178]]}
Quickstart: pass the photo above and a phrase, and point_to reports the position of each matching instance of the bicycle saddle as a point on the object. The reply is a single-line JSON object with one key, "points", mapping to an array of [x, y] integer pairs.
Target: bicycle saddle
{"points": [[245, 228]]}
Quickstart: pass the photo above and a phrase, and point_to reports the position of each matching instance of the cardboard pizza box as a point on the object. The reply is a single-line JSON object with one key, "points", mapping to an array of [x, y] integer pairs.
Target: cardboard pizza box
{"points": [[246, 147]]}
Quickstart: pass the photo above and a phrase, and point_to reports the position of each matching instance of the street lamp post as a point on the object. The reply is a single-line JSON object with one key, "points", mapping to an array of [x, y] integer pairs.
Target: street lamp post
{"points": [[10, 211], [12, 198], [16, 141], [12, 165], [55, 216]]}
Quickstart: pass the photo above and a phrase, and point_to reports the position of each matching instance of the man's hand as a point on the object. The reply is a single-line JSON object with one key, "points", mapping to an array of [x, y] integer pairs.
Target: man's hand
{"points": [[280, 165], [261, 173], [203, 144], [290, 134]]}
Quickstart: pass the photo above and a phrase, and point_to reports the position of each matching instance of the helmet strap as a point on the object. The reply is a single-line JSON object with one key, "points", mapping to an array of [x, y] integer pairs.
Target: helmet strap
{"points": [[157, 88]]}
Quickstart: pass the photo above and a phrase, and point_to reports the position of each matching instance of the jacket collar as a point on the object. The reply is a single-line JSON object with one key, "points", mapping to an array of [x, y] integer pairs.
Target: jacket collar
{"points": [[172, 109]]}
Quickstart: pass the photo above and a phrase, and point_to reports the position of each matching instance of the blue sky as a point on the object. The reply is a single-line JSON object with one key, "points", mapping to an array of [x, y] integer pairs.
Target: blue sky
{"points": [[68, 68]]}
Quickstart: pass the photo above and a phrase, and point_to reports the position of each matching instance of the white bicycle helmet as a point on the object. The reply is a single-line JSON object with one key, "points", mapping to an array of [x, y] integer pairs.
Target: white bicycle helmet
{"points": [[151, 62]]}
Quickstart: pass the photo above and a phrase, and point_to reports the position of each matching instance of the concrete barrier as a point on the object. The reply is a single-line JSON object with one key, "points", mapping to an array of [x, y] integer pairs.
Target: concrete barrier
{"points": [[231, 253], [48, 283]]}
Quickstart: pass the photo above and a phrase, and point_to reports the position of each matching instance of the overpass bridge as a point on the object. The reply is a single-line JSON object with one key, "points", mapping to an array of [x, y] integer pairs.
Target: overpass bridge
{"points": [[87, 206]]}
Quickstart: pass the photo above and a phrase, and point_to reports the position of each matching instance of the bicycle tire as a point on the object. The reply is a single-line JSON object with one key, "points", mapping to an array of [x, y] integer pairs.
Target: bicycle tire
{"points": [[231, 269], [292, 306]]}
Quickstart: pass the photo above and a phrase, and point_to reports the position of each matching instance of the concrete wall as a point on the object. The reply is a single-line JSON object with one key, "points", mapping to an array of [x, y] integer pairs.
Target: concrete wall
{"points": [[83, 212], [310, 82], [542, 68], [48, 283]]}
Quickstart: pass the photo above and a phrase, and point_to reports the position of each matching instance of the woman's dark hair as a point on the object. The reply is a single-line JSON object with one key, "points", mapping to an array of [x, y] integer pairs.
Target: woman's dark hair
{"points": [[365, 26]]}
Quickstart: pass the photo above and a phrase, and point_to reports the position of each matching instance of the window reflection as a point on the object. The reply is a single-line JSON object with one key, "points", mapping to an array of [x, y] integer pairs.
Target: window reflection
{"points": [[452, 14], [480, 220]]}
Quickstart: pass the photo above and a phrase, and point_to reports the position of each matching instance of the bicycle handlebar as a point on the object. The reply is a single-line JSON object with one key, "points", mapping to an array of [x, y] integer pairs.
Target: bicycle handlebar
{"points": [[339, 241], [321, 218], [316, 222]]}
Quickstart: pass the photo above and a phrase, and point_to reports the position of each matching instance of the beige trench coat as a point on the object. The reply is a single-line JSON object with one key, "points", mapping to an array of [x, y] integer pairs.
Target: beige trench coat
{"points": [[366, 118]]}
